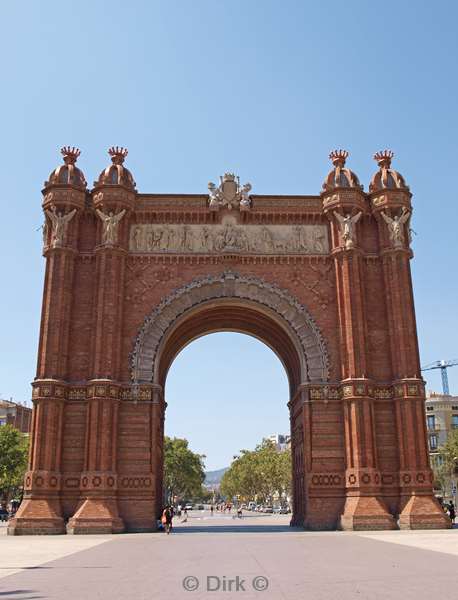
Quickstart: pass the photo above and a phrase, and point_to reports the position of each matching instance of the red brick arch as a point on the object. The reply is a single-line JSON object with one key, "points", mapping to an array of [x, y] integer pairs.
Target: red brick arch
{"points": [[230, 302], [227, 261]]}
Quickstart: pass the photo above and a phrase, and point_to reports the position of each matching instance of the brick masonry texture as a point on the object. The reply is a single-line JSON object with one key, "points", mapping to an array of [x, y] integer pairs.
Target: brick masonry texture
{"points": [[343, 323]]}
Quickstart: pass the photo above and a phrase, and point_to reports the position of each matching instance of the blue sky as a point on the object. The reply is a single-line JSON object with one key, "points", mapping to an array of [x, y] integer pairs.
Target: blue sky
{"points": [[266, 89]]}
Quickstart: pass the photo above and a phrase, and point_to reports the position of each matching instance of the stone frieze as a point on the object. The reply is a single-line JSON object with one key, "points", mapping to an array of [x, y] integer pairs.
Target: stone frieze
{"points": [[209, 239]]}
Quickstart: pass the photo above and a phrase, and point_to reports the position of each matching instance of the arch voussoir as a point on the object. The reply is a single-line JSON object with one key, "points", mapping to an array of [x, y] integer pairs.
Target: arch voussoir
{"points": [[230, 286]]}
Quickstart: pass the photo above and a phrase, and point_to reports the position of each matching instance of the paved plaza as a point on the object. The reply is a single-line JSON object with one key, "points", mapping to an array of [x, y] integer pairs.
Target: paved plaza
{"points": [[210, 552]]}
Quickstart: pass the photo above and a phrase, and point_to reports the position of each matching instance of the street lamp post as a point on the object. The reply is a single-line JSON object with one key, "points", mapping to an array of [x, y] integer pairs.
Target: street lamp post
{"points": [[454, 472]]}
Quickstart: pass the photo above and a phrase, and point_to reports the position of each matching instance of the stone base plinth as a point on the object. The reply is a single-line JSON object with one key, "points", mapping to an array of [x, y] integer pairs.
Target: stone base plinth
{"points": [[365, 513], [138, 512], [423, 512], [322, 513], [37, 516], [96, 515]]}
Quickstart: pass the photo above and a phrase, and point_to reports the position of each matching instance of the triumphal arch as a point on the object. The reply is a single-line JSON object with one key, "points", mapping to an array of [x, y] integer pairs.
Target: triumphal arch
{"points": [[324, 280]]}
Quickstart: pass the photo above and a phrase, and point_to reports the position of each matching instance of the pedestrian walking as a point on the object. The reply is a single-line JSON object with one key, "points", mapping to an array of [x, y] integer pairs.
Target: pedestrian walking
{"points": [[167, 516], [451, 512], [211, 510]]}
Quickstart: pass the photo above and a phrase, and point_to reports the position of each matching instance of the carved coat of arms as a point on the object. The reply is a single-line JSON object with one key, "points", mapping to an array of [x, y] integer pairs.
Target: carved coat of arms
{"points": [[229, 193]]}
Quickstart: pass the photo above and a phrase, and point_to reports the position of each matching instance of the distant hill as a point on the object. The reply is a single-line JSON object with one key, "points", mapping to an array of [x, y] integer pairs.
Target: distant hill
{"points": [[213, 478]]}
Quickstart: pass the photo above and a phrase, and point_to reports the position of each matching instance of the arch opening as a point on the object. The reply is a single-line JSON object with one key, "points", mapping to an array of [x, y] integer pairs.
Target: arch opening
{"points": [[225, 392], [230, 302]]}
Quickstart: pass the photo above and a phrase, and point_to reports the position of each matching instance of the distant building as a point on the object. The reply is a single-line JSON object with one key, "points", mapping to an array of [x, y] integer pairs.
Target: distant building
{"points": [[441, 419], [281, 441], [17, 415]]}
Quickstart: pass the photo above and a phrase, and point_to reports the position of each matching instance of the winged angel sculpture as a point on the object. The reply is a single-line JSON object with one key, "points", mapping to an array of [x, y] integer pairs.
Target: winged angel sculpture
{"points": [[347, 228], [60, 223], [110, 224], [396, 227]]}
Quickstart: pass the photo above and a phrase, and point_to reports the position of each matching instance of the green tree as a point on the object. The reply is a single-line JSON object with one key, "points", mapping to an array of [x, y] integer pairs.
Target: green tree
{"points": [[184, 471], [258, 474], [446, 468], [13, 461]]}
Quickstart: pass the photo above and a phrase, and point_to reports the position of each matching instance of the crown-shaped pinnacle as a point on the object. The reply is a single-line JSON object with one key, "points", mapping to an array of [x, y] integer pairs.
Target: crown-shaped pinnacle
{"points": [[118, 154], [70, 154], [338, 157], [383, 158]]}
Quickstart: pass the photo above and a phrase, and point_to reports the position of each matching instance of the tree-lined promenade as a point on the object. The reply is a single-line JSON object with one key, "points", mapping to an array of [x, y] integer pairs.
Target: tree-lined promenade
{"points": [[259, 475], [184, 470]]}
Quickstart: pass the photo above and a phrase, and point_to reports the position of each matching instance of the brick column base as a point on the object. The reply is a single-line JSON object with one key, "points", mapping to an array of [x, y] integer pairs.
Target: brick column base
{"points": [[423, 512], [365, 513], [96, 515], [37, 516]]}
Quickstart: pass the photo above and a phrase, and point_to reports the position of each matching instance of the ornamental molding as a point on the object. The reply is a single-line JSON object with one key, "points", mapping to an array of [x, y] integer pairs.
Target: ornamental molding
{"points": [[316, 391], [229, 285]]}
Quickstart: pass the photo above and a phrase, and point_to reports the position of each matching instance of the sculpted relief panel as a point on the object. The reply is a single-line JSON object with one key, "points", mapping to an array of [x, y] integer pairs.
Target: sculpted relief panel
{"points": [[205, 239]]}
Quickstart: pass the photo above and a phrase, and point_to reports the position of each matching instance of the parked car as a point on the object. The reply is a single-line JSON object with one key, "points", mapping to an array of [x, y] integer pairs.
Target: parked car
{"points": [[188, 506], [284, 510], [276, 510], [200, 507], [268, 509]]}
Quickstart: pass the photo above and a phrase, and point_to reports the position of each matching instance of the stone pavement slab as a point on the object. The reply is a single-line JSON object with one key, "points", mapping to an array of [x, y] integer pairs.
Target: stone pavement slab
{"points": [[445, 541], [29, 552], [294, 563]]}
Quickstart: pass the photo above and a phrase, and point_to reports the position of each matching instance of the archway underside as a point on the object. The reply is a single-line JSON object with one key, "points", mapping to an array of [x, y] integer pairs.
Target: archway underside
{"points": [[231, 316], [240, 303]]}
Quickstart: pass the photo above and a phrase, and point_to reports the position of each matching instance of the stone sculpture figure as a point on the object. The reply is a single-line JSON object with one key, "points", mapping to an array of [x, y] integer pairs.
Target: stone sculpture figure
{"points": [[229, 193], [245, 195], [44, 231], [60, 223], [347, 228], [318, 240], [138, 238], [396, 227], [214, 195], [165, 239], [206, 239], [110, 224]]}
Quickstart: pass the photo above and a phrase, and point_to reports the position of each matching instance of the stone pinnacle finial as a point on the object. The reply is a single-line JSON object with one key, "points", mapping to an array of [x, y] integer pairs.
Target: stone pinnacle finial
{"points": [[338, 157], [383, 158], [118, 154], [70, 154]]}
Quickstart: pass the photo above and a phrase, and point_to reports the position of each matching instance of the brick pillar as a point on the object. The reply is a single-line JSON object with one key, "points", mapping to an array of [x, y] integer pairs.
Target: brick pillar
{"points": [[157, 457], [301, 455], [363, 508], [98, 510], [418, 507], [140, 474], [40, 511]]}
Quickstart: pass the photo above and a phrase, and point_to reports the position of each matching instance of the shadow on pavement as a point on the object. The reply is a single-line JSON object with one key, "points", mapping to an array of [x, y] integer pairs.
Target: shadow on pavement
{"points": [[19, 594], [234, 529]]}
